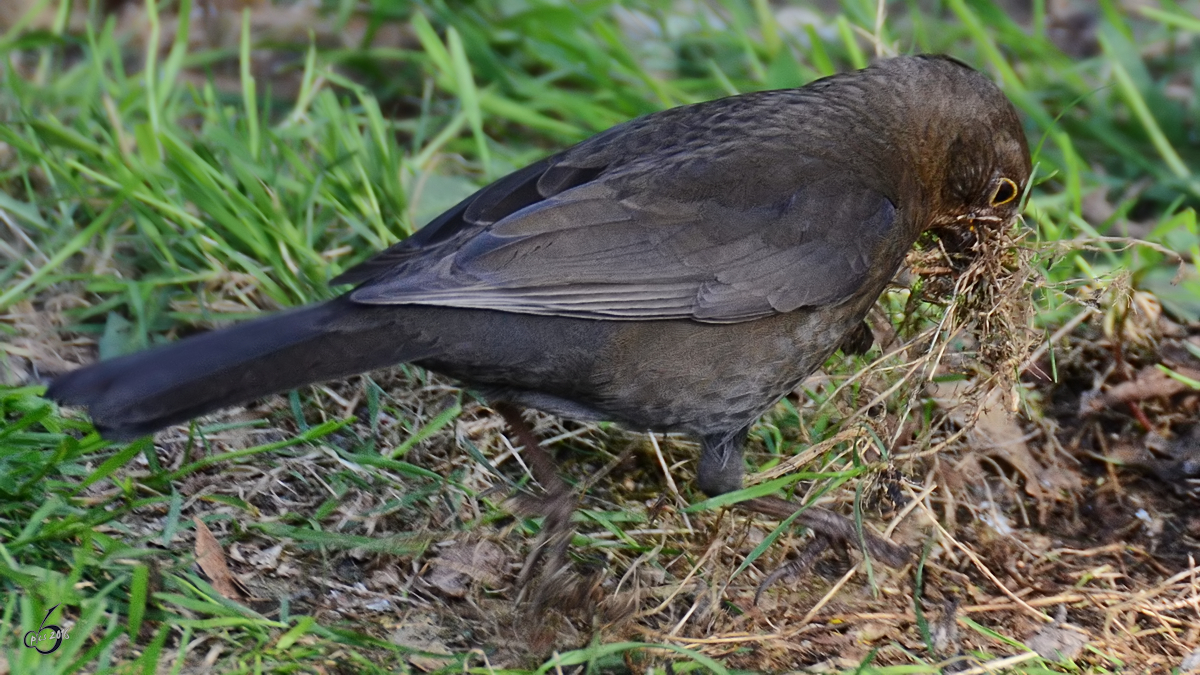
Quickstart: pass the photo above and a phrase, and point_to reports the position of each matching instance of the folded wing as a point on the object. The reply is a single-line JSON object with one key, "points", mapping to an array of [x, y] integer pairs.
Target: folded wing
{"points": [[594, 235]]}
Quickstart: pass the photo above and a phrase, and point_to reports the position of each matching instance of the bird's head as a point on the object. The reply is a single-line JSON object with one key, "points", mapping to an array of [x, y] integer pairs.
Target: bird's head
{"points": [[981, 165], [985, 176]]}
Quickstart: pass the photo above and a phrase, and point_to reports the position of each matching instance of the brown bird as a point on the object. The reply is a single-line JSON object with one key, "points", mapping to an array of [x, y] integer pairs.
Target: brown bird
{"points": [[679, 272]]}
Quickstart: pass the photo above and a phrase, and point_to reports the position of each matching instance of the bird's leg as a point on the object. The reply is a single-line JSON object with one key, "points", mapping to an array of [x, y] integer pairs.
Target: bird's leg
{"points": [[859, 340], [832, 525], [720, 471], [557, 506]]}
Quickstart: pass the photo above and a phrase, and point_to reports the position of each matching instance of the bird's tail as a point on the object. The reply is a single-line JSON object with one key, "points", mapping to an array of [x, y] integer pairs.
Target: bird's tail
{"points": [[140, 393]]}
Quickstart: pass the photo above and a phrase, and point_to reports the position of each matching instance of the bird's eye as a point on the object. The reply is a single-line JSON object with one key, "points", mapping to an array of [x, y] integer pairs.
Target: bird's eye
{"points": [[1005, 192]]}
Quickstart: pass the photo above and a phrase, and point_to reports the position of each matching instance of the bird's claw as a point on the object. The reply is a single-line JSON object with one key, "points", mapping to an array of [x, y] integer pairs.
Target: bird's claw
{"points": [[815, 547], [829, 527]]}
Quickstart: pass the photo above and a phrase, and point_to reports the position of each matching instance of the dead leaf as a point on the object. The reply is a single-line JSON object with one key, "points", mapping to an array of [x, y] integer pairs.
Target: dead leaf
{"points": [[997, 434], [211, 559], [423, 635], [1149, 383], [385, 577], [1056, 643], [267, 559], [465, 561]]}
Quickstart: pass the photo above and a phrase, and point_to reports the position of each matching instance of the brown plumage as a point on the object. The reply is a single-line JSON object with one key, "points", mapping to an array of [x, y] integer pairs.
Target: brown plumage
{"points": [[679, 272]]}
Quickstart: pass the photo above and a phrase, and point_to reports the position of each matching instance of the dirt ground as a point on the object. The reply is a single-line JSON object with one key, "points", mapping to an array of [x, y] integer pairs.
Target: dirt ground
{"points": [[1057, 508]]}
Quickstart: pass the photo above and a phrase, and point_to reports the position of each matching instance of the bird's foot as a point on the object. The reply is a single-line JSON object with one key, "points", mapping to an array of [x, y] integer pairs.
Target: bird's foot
{"points": [[813, 550], [547, 558], [829, 527]]}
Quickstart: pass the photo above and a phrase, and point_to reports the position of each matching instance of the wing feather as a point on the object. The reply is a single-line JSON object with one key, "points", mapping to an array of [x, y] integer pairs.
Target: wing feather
{"points": [[652, 220], [592, 253]]}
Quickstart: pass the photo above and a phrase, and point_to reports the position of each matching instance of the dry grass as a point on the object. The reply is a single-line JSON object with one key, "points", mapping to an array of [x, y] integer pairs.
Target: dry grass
{"points": [[1005, 543]]}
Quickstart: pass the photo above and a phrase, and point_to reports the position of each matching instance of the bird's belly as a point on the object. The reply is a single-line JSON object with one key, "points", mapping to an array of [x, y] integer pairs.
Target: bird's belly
{"points": [[684, 376], [702, 378]]}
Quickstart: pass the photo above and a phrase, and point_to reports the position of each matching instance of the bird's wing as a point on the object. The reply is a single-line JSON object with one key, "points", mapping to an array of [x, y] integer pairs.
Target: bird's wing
{"points": [[514, 191], [645, 222], [508, 195], [592, 252]]}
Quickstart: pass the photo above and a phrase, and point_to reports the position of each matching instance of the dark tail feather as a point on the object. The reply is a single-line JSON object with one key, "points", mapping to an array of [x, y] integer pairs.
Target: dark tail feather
{"points": [[134, 395]]}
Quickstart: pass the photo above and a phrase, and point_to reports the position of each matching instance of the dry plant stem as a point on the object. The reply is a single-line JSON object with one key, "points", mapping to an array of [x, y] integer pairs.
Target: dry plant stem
{"points": [[947, 537], [812, 613], [1059, 334], [541, 465], [812, 452], [712, 549], [574, 433], [1141, 600], [613, 463], [831, 525], [19, 232], [1001, 664], [1086, 243], [679, 501], [909, 508], [638, 562], [877, 366], [727, 639], [687, 615], [1051, 601], [950, 440]]}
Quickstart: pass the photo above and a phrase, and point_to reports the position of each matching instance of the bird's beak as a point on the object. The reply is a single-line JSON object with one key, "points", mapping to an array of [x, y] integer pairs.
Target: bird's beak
{"points": [[960, 235]]}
